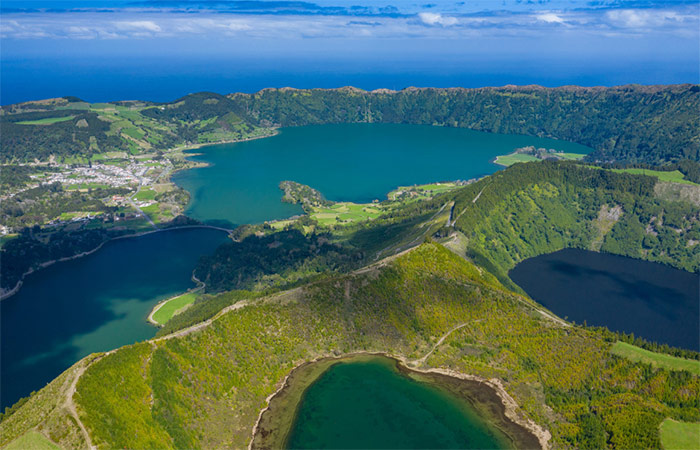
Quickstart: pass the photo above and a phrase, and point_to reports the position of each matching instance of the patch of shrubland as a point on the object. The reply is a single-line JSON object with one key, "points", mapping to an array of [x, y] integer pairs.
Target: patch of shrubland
{"points": [[46, 412], [205, 389]]}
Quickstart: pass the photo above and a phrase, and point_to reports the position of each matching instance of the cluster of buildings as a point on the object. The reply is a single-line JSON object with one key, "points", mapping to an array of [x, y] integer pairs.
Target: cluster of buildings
{"points": [[107, 174]]}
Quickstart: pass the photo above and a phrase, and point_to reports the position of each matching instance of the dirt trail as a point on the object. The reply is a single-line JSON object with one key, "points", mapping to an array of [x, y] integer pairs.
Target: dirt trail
{"points": [[402, 248], [450, 222], [73, 411], [421, 361], [70, 405]]}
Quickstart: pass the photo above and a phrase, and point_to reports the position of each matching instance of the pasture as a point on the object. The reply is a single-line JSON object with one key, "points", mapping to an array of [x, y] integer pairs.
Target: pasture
{"points": [[660, 360]]}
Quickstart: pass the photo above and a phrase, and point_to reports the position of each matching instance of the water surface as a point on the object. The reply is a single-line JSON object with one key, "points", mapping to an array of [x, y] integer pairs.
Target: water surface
{"points": [[92, 304], [651, 300], [370, 404], [346, 162]]}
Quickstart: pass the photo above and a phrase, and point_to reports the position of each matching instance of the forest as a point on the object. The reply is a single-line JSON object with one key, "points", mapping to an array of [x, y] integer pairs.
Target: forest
{"points": [[535, 208], [627, 124]]}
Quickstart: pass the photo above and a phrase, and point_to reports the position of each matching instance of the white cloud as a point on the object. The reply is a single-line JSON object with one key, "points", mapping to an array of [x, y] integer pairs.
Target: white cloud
{"points": [[550, 18], [683, 22], [433, 19], [138, 25], [635, 18]]}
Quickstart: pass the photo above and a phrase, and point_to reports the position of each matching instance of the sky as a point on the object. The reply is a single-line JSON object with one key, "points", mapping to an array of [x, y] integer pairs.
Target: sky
{"points": [[162, 49]]}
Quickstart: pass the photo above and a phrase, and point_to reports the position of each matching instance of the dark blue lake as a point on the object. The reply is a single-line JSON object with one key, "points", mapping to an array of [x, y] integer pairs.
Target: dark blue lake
{"points": [[651, 300]]}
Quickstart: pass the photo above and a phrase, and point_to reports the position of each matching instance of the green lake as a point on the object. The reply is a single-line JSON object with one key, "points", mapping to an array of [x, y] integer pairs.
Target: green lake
{"points": [[346, 162], [368, 402], [92, 304]]}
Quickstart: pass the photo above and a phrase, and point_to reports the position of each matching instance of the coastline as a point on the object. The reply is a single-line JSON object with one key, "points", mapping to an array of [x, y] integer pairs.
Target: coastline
{"points": [[511, 409], [199, 287], [5, 294], [200, 164], [18, 285], [275, 132]]}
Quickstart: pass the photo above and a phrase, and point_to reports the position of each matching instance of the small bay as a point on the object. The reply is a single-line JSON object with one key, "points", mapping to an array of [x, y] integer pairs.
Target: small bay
{"points": [[357, 162], [92, 304], [651, 300]]}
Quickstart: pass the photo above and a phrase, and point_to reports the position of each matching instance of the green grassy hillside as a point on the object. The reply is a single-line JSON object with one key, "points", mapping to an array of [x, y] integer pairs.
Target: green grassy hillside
{"points": [[205, 388], [669, 362], [535, 208]]}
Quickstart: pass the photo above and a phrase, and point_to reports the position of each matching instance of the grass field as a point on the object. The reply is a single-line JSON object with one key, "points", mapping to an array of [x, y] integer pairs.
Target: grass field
{"points": [[679, 435], [47, 121], [145, 195], [346, 212], [32, 440], [509, 160], [674, 177], [661, 360], [169, 309], [152, 211]]}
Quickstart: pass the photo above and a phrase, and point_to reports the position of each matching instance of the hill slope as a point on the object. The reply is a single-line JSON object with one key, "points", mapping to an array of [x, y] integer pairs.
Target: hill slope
{"points": [[204, 387]]}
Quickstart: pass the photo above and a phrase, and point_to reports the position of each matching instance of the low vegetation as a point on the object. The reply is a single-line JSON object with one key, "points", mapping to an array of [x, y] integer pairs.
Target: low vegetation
{"points": [[530, 153], [675, 176], [32, 440], [659, 360], [206, 388], [173, 306]]}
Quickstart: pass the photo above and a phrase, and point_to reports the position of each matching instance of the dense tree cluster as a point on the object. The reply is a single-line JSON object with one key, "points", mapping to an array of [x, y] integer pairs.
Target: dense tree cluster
{"points": [[628, 123], [27, 250], [635, 124], [85, 134], [273, 260], [535, 208], [13, 176]]}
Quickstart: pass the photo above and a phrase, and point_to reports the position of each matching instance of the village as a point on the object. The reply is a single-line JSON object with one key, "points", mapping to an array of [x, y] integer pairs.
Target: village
{"points": [[124, 185]]}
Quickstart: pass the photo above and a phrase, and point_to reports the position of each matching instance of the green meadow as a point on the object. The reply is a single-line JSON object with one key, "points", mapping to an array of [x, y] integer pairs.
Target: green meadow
{"points": [[421, 191], [674, 177], [145, 195], [660, 360], [679, 435], [509, 160], [47, 121], [173, 306], [32, 440], [346, 212]]}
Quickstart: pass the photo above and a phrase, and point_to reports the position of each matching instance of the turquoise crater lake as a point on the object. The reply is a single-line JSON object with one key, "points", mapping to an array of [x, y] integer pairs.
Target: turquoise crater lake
{"points": [[370, 402], [346, 162]]}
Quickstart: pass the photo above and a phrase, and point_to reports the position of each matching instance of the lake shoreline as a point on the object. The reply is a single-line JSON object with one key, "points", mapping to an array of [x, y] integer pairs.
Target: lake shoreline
{"points": [[7, 294], [310, 371], [199, 287]]}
